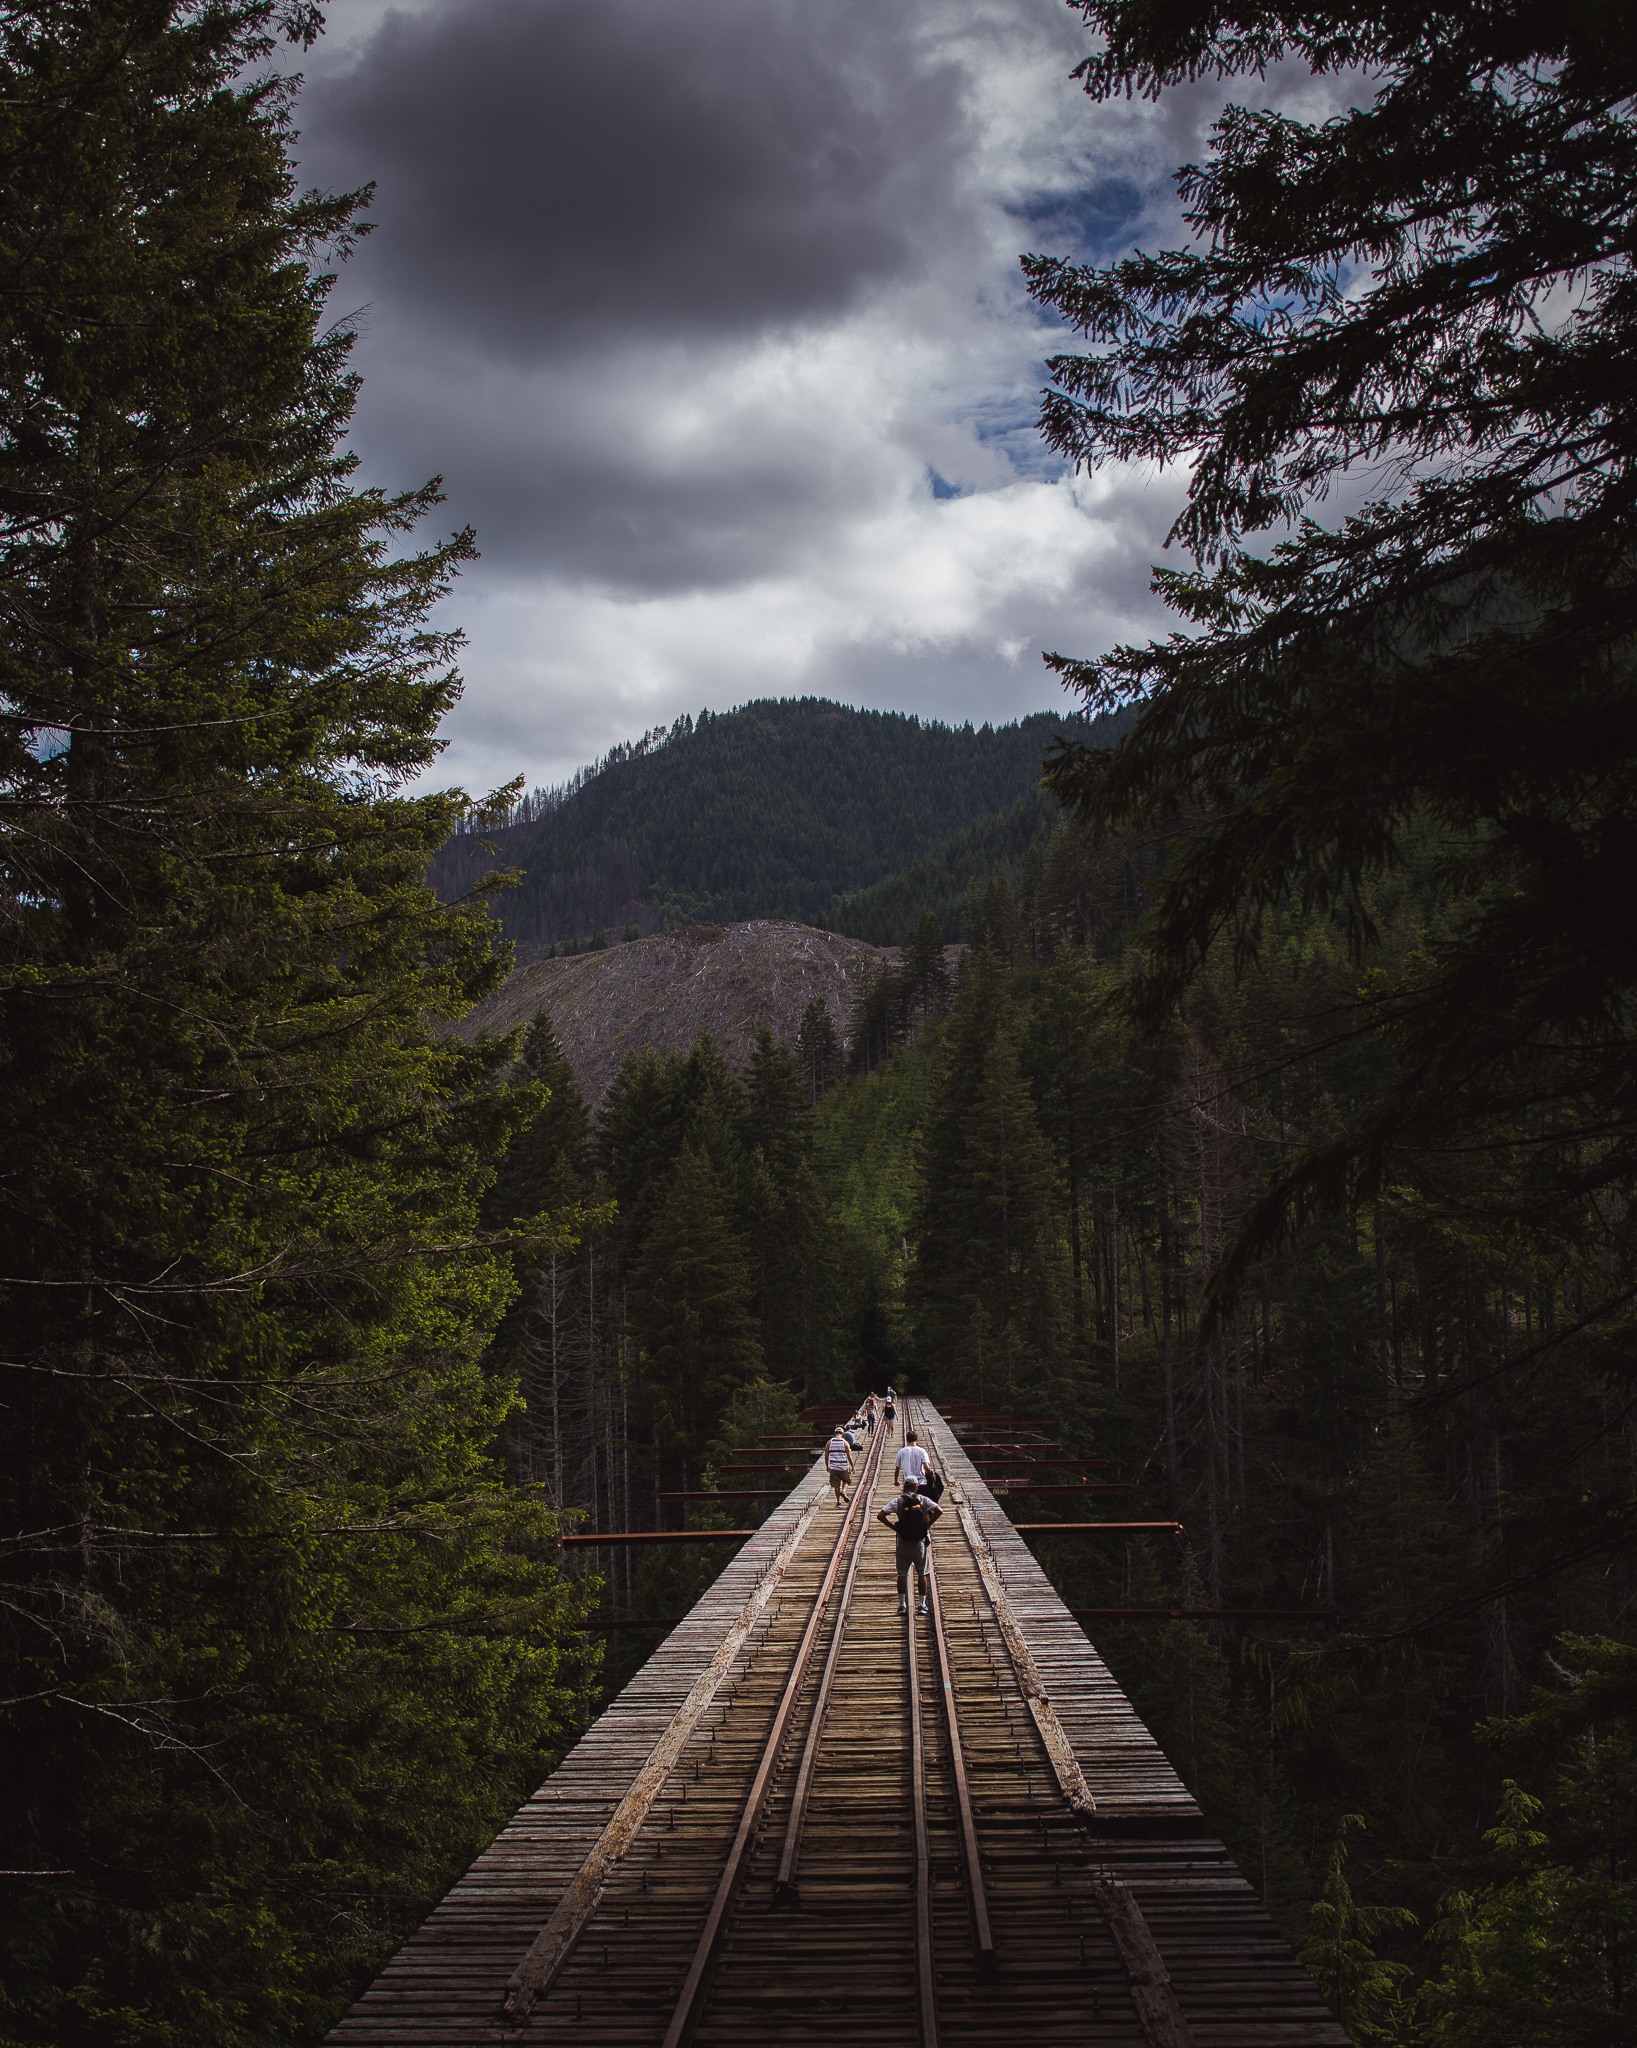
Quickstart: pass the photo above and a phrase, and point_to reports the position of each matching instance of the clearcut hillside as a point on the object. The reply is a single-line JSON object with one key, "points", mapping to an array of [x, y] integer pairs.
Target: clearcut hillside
{"points": [[663, 991]]}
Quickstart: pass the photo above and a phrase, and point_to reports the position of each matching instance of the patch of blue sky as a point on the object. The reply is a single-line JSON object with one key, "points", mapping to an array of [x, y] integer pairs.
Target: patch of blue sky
{"points": [[1008, 423], [1089, 223], [48, 741]]}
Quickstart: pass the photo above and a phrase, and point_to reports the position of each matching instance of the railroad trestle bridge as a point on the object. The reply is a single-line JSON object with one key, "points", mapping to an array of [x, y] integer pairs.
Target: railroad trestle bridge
{"points": [[808, 1817]]}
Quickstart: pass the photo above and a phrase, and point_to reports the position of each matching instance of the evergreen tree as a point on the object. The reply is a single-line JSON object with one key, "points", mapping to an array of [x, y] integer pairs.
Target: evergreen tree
{"points": [[692, 1307], [1319, 710], [922, 971], [876, 1017], [549, 1339], [789, 1228], [548, 1163], [280, 1648], [819, 1046], [954, 1323], [1002, 1215], [1360, 1988], [638, 1134], [776, 1119], [1089, 1095]]}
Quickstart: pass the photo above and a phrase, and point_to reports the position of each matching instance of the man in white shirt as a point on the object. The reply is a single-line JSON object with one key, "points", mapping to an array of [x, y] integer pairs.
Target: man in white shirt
{"points": [[912, 1462]]}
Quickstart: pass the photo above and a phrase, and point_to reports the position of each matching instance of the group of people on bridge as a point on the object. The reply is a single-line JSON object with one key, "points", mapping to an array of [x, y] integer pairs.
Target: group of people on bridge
{"points": [[912, 1514]]}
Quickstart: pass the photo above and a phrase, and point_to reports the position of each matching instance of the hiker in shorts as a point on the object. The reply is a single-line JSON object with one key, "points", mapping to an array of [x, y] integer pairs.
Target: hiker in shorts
{"points": [[912, 1462], [889, 1414], [910, 1518], [838, 1461]]}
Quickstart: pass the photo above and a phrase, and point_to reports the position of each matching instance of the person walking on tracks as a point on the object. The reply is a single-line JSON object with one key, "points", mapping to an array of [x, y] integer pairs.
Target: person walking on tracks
{"points": [[838, 1460], [889, 1414], [910, 1518], [912, 1462]]}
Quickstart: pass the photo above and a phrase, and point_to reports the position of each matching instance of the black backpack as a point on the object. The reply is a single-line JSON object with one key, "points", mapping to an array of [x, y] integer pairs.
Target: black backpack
{"points": [[933, 1485], [914, 1523]]}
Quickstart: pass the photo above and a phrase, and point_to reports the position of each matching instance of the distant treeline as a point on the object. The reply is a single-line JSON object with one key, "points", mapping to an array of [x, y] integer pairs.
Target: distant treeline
{"points": [[779, 809]]}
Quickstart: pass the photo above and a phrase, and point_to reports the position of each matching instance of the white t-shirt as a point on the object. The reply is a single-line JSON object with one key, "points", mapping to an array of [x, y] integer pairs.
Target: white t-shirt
{"points": [[838, 1457], [911, 1463]]}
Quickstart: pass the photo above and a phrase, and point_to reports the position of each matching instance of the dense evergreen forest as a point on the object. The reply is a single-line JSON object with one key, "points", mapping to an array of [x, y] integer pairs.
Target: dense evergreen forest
{"points": [[774, 810], [1274, 1130], [1026, 1199]]}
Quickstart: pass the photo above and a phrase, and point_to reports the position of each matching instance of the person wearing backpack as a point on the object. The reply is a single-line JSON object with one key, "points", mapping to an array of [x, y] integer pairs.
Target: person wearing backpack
{"points": [[910, 1518]]}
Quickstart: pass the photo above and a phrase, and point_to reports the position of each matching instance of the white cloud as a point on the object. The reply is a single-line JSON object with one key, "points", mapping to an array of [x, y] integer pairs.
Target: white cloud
{"points": [[705, 472]]}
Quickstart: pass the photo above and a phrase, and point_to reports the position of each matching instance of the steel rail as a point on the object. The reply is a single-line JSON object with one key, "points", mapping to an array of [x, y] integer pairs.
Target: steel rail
{"points": [[982, 1932], [926, 1982], [690, 2005], [785, 1889], [983, 1939]]}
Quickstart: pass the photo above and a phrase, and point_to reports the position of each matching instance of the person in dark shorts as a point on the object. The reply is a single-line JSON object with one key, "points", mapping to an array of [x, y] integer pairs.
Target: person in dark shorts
{"points": [[910, 1518], [889, 1414]]}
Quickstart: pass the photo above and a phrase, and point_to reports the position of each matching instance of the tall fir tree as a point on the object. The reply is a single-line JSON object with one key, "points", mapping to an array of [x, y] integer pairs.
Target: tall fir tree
{"points": [[819, 1047], [692, 1301], [279, 1645]]}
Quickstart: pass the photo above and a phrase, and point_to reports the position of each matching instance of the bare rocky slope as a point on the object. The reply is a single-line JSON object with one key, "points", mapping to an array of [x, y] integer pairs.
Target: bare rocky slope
{"points": [[663, 991]]}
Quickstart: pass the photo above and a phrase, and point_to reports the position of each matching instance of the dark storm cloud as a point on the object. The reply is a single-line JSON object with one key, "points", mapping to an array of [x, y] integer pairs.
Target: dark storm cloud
{"points": [[560, 477], [553, 171], [689, 302]]}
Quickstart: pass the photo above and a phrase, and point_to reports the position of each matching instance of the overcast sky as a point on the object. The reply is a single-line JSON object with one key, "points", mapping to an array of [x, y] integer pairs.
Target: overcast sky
{"points": [[710, 317]]}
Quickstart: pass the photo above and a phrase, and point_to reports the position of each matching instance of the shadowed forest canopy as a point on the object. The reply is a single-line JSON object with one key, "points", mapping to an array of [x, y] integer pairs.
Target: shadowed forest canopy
{"points": [[1433, 287]]}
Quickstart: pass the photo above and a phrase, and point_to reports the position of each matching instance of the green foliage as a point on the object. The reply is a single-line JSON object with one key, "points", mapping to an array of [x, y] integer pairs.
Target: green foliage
{"points": [[777, 809], [818, 1047], [690, 1302], [280, 1645], [1316, 716], [937, 881], [1361, 1989], [1537, 1935]]}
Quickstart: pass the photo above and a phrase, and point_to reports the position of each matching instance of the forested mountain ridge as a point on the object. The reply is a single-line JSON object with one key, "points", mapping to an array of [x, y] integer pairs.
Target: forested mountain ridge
{"points": [[773, 810]]}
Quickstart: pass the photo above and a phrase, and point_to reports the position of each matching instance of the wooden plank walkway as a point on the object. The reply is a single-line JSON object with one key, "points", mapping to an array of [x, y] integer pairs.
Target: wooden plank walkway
{"points": [[1123, 1921]]}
